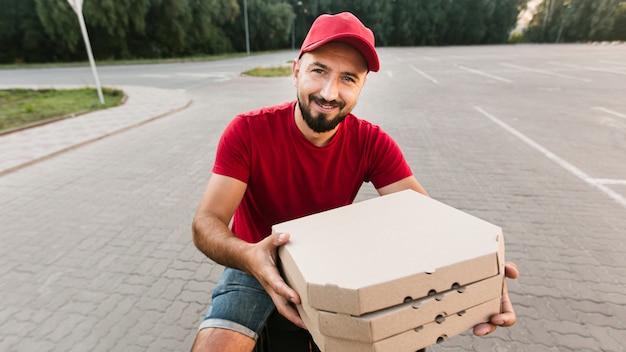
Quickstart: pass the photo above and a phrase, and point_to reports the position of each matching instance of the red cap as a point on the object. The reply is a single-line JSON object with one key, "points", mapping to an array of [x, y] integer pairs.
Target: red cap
{"points": [[346, 28]]}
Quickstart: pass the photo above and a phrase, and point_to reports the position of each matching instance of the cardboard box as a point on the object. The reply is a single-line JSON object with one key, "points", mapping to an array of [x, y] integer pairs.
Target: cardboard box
{"points": [[384, 251], [394, 329], [420, 337], [385, 323]]}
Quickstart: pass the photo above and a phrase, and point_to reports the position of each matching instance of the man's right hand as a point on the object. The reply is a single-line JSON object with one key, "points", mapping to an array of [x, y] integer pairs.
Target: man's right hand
{"points": [[213, 237], [262, 265]]}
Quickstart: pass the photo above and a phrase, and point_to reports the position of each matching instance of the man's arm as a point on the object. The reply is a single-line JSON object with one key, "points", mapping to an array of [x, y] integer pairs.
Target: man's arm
{"points": [[212, 236], [406, 183]]}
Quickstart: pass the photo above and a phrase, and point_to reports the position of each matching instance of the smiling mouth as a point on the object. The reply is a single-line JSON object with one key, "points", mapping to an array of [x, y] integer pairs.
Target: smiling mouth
{"points": [[326, 105]]}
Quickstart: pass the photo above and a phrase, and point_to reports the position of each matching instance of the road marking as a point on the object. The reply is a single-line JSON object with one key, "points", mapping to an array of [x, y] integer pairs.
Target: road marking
{"points": [[424, 74], [561, 162], [204, 75], [485, 74], [155, 75], [586, 68], [608, 111], [612, 62], [608, 181], [528, 69]]}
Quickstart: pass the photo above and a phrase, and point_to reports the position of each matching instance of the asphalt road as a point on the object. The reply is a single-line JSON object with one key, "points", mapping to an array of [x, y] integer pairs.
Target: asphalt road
{"points": [[529, 137], [186, 76]]}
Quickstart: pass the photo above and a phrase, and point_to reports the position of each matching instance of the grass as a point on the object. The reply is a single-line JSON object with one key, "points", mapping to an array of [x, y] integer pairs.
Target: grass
{"points": [[279, 71], [21, 108]]}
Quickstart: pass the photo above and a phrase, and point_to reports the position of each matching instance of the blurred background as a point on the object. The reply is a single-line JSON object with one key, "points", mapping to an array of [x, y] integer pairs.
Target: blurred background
{"points": [[36, 31]]}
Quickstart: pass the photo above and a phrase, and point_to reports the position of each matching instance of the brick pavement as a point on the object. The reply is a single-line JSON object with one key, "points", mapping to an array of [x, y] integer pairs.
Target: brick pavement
{"points": [[96, 251], [142, 105]]}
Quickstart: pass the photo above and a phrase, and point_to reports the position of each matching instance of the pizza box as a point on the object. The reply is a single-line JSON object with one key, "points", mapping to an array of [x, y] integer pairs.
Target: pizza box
{"points": [[384, 251], [379, 331], [385, 323], [446, 326]]}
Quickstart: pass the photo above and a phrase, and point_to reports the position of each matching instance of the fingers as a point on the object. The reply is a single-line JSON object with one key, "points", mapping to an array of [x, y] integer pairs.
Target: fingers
{"points": [[280, 239], [289, 311], [280, 287], [270, 276], [510, 270], [484, 329], [507, 316], [502, 319], [283, 296]]}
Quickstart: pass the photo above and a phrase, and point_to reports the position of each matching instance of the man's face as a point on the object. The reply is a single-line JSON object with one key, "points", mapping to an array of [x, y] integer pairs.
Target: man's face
{"points": [[328, 81]]}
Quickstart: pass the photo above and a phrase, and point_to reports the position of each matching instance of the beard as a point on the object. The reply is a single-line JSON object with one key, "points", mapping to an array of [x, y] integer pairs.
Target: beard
{"points": [[322, 122]]}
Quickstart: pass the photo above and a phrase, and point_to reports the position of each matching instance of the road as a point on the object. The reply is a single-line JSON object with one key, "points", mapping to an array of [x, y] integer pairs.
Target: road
{"points": [[187, 76], [96, 250]]}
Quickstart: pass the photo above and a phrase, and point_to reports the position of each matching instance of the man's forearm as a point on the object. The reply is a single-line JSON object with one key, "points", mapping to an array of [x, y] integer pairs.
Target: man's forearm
{"points": [[213, 238]]}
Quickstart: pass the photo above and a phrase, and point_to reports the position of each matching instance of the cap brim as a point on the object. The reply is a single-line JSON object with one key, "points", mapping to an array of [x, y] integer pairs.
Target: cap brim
{"points": [[360, 43]]}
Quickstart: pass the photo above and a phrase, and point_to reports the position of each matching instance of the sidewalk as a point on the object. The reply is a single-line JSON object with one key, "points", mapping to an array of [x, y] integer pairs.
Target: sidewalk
{"points": [[143, 104]]}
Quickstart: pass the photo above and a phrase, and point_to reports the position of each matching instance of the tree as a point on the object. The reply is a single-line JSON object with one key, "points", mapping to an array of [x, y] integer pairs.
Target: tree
{"points": [[269, 34], [602, 18], [573, 20], [110, 25], [419, 22], [61, 26], [167, 23], [208, 18], [22, 37], [112, 22], [503, 20], [618, 32], [270, 23], [47, 30]]}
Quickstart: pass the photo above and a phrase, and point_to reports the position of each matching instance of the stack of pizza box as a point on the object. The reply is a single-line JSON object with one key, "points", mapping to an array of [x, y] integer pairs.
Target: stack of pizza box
{"points": [[393, 273]]}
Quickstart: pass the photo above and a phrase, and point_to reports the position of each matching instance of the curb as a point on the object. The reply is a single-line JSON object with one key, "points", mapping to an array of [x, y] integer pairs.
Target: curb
{"points": [[178, 106]]}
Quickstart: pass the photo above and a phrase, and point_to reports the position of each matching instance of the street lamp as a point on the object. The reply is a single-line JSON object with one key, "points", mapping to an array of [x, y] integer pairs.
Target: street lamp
{"points": [[293, 28], [245, 16]]}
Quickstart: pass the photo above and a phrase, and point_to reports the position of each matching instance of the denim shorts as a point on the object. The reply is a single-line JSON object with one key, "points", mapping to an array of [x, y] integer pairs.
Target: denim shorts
{"points": [[239, 303]]}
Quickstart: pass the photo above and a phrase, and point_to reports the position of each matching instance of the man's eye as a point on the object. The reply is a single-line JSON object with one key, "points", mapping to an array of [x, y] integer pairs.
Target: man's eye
{"points": [[348, 79], [318, 70]]}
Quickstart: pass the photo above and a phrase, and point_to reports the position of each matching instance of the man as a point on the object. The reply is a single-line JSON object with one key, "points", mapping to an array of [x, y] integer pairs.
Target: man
{"points": [[288, 161]]}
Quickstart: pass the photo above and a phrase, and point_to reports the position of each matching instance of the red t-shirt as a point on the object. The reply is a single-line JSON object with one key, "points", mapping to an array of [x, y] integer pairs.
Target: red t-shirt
{"points": [[288, 177]]}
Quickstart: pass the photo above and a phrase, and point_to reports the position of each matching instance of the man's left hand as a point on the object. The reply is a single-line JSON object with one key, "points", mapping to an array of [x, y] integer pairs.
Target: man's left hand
{"points": [[507, 317]]}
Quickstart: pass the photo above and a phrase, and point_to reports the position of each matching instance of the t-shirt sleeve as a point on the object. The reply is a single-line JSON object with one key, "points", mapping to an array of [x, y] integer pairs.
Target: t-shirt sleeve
{"points": [[233, 151], [387, 163]]}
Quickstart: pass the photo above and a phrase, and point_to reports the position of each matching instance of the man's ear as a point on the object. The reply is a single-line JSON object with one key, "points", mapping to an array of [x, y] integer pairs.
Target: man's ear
{"points": [[295, 68]]}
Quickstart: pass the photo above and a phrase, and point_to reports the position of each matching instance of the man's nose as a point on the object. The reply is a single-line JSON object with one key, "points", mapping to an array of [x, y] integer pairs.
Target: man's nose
{"points": [[330, 90]]}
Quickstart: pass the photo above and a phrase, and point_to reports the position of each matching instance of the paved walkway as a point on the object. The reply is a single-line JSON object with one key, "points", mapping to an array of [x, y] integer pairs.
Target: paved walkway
{"points": [[143, 104]]}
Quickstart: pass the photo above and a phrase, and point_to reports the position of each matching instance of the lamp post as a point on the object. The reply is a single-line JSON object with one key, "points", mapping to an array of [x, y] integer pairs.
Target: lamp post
{"points": [[245, 19], [293, 28], [77, 6]]}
